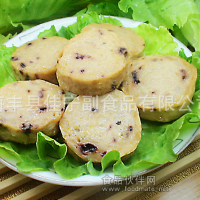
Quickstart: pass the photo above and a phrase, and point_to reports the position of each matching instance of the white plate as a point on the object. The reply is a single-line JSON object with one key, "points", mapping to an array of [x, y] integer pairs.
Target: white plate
{"points": [[87, 180]]}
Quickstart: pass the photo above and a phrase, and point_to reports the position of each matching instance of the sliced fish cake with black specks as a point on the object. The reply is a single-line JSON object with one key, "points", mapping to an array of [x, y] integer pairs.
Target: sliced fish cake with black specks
{"points": [[109, 122], [93, 63], [161, 85], [37, 59], [27, 107], [134, 43]]}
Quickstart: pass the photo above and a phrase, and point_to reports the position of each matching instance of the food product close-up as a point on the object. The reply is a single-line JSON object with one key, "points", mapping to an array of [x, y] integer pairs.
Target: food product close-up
{"points": [[29, 107], [38, 59], [93, 63], [161, 85], [91, 132], [95, 95]]}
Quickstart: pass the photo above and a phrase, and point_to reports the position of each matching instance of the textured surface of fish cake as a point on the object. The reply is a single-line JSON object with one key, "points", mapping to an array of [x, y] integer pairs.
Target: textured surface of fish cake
{"points": [[111, 123], [93, 63], [28, 107], [162, 86], [38, 59], [134, 42]]}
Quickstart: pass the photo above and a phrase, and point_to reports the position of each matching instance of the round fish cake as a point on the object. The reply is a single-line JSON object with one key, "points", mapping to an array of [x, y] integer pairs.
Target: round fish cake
{"points": [[93, 63], [134, 42], [161, 85], [27, 107], [93, 126], [37, 59]]}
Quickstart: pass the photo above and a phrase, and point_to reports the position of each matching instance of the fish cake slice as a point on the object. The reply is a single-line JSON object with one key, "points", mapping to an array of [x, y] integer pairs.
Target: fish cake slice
{"points": [[37, 59], [161, 85], [93, 63], [134, 43], [27, 107], [93, 126]]}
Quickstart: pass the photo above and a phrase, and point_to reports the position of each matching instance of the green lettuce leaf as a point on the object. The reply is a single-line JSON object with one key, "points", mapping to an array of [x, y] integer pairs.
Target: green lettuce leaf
{"points": [[34, 12], [49, 150], [8, 151], [181, 54], [25, 156], [29, 160], [195, 106], [190, 30], [160, 12], [156, 41], [55, 156], [198, 4], [7, 74], [17, 16], [183, 13], [70, 168], [106, 8], [196, 63], [179, 35], [108, 160], [48, 33], [195, 60], [5, 38]]}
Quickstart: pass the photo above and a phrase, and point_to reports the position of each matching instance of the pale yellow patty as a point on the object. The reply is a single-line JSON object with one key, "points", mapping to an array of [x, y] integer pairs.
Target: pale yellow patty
{"points": [[93, 63], [93, 126], [27, 107], [38, 59], [162, 86], [134, 42]]}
